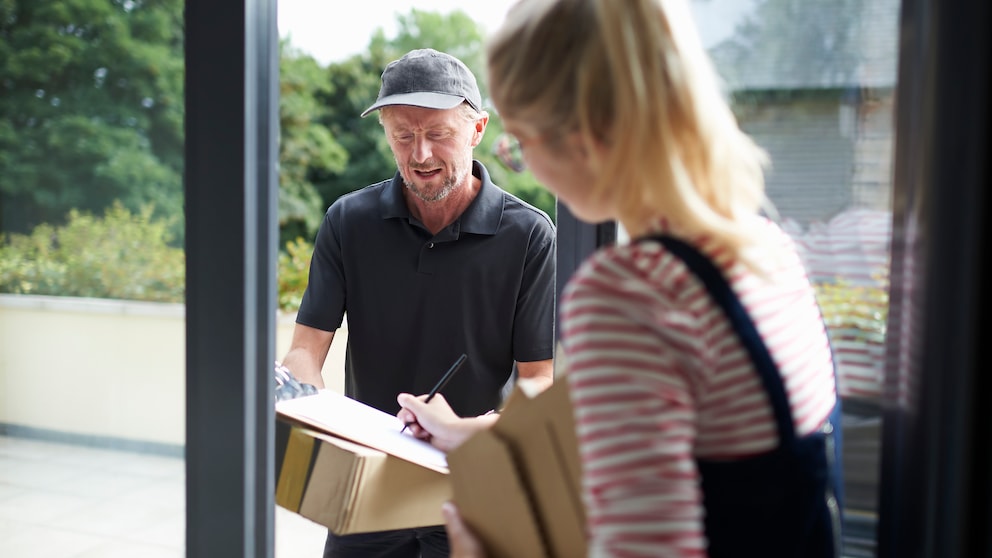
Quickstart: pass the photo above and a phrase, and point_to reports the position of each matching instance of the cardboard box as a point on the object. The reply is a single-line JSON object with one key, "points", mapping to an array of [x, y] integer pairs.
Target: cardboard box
{"points": [[346, 466], [518, 484]]}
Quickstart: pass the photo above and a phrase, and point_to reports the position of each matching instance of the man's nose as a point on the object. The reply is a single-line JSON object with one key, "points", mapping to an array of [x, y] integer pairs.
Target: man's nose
{"points": [[423, 149]]}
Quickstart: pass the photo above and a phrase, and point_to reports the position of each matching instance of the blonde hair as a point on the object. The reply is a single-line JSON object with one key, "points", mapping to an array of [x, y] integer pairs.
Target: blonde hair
{"points": [[632, 75]]}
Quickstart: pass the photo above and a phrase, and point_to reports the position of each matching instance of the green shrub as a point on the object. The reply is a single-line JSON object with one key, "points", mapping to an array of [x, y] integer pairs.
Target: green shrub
{"points": [[292, 273], [121, 255]]}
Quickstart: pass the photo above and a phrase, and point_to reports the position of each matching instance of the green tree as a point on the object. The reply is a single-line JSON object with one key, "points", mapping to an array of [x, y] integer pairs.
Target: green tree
{"points": [[91, 109], [307, 148], [351, 86]]}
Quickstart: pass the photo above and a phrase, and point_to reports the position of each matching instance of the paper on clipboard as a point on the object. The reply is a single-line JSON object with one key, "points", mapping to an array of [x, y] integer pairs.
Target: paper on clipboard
{"points": [[352, 420]]}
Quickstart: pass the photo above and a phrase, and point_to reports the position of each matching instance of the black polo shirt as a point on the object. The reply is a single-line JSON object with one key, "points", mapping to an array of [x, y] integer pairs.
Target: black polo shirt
{"points": [[483, 286]]}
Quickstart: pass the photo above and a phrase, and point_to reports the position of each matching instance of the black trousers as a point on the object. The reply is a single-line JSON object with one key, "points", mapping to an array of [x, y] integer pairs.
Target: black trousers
{"points": [[425, 542]]}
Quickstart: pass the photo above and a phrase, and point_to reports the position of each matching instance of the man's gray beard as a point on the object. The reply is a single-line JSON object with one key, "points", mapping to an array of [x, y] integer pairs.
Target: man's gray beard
{"points": [[447, 187]]}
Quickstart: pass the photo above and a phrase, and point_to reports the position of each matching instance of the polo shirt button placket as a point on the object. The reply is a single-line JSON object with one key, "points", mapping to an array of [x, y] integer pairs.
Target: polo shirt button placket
{"points": [[425, 263]]}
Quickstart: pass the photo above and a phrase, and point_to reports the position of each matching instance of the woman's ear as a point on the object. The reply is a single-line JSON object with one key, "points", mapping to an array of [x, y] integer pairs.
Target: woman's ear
{"points": [[581, 149]]}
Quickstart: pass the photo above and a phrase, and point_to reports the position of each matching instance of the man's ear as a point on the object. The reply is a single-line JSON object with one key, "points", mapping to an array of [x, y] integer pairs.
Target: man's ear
{"points": [[480, 129]]}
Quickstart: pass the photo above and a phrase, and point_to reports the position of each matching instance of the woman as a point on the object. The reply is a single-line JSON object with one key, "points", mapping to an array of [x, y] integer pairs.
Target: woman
{"points": [[698, 365]]}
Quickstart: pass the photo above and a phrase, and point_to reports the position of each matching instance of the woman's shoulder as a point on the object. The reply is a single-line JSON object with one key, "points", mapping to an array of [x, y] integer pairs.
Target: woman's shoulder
{"points": [[639, 268]]}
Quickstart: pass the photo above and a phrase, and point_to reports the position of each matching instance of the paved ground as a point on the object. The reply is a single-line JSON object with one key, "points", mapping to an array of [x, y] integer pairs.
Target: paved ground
{"points": [[66, 501]]}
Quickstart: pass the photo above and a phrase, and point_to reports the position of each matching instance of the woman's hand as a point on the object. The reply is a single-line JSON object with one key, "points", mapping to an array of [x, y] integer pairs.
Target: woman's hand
{"points": [[464, 543], [436, 423]]}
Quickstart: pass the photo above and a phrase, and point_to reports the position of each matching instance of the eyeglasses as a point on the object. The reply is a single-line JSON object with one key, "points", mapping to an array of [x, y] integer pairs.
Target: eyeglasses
{"points": [[508, 151]]}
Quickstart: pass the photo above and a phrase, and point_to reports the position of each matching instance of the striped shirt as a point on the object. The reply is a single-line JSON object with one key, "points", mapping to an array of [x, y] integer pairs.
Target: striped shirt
{"points": [[658, 377]]}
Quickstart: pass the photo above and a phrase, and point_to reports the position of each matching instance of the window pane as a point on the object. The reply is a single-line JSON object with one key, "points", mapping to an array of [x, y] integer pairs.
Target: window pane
{"points": [[92, 420], [813, 83]]}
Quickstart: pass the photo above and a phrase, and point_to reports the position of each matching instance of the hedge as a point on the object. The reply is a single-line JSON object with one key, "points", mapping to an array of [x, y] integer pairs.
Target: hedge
{"points": [[120, 255]]}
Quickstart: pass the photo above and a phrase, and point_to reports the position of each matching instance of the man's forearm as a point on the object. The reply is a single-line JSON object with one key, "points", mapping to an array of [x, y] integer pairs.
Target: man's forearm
{"points": [[304, 367], [540, 373], [306, 355]]}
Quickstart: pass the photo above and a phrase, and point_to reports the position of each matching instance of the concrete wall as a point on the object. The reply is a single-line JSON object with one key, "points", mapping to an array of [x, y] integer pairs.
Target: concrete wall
{"points": [[106, 369]]}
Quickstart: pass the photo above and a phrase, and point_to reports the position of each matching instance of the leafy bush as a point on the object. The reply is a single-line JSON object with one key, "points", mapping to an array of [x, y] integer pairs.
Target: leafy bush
{"points": [[292, 273], [122, 255]]}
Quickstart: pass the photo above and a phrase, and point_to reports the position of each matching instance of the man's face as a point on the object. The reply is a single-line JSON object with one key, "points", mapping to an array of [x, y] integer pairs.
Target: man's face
{"points": [[432, 148]]}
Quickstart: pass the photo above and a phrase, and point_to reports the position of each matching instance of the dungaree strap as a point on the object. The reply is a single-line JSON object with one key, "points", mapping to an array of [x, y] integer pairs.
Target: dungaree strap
{"points": [[741, 322], [784, 503]]}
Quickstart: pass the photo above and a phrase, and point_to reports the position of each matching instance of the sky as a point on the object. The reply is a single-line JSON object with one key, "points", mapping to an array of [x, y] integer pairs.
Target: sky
{"points": [[332, 30]]}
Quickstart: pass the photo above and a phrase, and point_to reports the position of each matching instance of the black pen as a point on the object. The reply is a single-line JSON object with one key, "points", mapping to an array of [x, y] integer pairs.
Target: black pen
{"points": [[440, 384]]}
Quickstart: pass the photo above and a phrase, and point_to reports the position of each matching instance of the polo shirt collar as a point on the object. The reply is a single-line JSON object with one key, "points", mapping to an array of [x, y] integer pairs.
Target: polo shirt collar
{"points": [[482, 216]]}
